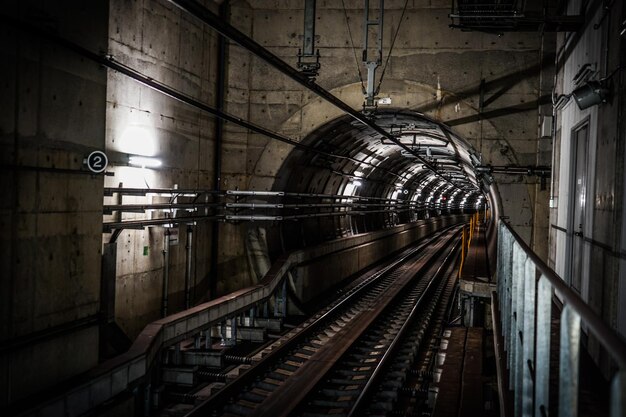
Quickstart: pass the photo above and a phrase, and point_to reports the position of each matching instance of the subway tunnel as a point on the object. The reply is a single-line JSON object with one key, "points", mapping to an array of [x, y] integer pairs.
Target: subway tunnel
{"points": [[367, 167], [307, 208]]}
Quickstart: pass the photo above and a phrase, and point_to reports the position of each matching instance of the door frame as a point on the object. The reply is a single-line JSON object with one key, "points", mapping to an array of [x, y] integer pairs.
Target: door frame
{"points": [[572, 197]]}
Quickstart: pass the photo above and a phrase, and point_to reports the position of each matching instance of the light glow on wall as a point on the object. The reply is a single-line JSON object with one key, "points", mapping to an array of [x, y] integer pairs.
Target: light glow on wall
{"points": [[134, 177], [350, 189], [138, 140]]}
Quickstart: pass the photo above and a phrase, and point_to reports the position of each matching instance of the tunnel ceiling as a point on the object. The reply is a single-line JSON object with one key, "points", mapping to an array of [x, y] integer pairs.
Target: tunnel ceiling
{"points": [[357, 161]]}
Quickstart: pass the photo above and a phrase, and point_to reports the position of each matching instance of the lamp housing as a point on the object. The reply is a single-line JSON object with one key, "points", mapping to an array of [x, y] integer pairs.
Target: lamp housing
{"points": [[590, 94]]}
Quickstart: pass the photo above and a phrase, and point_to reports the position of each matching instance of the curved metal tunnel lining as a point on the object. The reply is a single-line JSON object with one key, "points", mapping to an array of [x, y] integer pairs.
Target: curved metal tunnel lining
{"points": [[385, 172]]}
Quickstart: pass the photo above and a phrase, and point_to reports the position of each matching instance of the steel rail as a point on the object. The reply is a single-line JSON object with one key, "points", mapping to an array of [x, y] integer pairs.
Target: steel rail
{"points": [[333, 393], [415, 351], [220, 25], [131, 369], [235, 387], [374, 378], [290, 395]]}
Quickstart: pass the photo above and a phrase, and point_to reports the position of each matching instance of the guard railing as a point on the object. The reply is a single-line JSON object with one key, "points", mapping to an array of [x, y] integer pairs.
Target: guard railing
{"points": [[526, 287]]}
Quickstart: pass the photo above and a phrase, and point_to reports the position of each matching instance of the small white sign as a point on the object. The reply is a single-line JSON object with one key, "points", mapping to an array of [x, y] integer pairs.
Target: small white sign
{"points": [[384, 100]]}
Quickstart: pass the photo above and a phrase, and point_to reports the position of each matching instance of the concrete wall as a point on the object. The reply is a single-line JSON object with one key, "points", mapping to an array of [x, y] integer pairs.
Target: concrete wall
{"points": [[53, 115], [60, 107], [311, 279], [160, 41], [603, 247], [433, 69]]}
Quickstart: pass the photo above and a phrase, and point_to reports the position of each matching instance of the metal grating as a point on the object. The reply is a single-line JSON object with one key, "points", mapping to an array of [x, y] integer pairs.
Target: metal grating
{"points": [[499, 16], [488, 15]]}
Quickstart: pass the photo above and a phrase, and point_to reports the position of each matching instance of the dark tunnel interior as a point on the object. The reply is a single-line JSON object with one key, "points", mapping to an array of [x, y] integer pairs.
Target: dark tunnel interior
{"points": [[355, 170]]}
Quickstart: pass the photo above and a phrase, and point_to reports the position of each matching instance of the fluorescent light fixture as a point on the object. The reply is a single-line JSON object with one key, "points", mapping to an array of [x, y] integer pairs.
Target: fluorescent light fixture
{"points": [[358, 174], [356, 183], [144, 162]]}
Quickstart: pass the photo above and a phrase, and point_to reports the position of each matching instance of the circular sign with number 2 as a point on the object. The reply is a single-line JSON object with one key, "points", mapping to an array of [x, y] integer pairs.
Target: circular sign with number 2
{"points": [[97, 162]]}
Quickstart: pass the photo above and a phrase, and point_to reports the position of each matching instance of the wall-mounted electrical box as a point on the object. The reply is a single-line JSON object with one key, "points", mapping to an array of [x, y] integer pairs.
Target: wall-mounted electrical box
{"points": [[546, 126]]}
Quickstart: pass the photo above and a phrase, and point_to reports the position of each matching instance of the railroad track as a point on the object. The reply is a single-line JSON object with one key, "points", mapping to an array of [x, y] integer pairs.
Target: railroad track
{"points": [[334, 362], [371, 376]]}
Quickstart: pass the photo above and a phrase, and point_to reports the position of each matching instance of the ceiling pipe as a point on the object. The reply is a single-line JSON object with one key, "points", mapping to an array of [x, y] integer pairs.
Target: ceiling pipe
{"points": [[220, 100], [109, 62], [205, 15]]}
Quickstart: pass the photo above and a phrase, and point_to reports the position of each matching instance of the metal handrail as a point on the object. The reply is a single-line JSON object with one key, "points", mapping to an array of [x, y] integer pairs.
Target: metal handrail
{"points": [[526, 286], [605, 334]]}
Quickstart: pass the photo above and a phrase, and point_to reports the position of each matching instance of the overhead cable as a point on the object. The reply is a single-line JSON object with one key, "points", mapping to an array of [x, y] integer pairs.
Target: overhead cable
{"points": [[393, 42], [356, 59]]}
